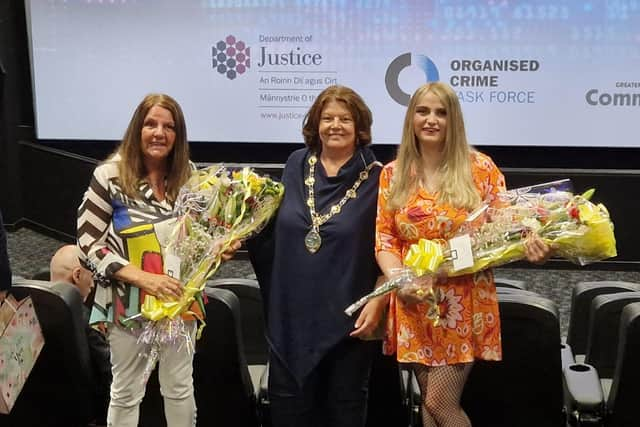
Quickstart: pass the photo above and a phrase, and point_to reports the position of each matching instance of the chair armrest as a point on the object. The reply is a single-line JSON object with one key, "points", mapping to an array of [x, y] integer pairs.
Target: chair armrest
{"points": [[566, 354], [415, 400], [583, 396], [263, 389], [262, 392], [405, 376]]}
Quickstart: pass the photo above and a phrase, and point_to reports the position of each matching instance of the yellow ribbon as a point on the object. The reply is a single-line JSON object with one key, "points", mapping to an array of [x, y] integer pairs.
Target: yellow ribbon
{"points": [[426, 256]]}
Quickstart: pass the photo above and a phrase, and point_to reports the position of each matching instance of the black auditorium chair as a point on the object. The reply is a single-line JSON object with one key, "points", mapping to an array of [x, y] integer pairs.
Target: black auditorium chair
{"points": [[223, 390], [58, 389], [622, 401], [581, 298], [604, 329], [619, 405], [592, 380], [256, 348], [525, 388], [224, 393], [255, 345]]}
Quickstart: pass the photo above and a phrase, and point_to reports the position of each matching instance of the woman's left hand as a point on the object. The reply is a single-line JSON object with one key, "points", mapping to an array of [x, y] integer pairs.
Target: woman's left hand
{"points": [[231, 250], [536, 250], [370, 317]]}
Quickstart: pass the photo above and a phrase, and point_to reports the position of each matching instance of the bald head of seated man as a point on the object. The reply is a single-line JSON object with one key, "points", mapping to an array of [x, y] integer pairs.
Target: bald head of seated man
{"points": [[65, 267]]}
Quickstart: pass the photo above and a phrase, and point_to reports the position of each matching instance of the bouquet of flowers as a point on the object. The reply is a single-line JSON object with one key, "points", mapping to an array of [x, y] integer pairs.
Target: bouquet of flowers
{"points": [[577, 229], [214, 208]]}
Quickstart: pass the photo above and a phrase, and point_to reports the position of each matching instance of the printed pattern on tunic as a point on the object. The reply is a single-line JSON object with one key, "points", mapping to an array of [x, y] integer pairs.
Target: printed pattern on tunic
{"points": [[115, 230], [469, 325]]}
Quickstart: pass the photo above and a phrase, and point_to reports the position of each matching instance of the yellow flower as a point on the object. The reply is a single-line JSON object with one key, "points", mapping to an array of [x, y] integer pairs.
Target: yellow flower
{"points": [[256, 183]]}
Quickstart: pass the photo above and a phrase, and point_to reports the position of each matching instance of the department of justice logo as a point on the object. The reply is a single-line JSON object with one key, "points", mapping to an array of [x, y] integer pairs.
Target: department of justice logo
{"points": [[231, 57]]}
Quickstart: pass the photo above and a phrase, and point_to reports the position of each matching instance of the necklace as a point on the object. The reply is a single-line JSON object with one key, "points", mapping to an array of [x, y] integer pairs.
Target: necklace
{"points": [[312, 240]]}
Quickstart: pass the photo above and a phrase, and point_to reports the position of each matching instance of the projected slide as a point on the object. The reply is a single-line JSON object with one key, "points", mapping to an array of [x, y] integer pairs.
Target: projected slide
{"points": [[543, 73]]}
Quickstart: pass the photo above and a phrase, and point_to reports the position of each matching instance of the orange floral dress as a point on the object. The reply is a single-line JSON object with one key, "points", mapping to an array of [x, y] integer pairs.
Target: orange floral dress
{"points": [[469, 326]]}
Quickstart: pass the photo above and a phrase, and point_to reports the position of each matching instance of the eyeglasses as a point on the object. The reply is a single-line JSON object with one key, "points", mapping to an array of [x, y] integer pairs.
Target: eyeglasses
{"points": [[84, 263]]}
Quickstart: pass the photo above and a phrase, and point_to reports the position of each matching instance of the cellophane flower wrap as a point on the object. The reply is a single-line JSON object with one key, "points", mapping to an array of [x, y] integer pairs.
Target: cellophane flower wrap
{"points": [[577, 229], [216, 207]]}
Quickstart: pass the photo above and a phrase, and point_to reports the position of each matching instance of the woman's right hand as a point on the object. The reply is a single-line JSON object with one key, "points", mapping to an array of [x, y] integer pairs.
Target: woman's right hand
{"points": [[536, 250], [161, 286]]}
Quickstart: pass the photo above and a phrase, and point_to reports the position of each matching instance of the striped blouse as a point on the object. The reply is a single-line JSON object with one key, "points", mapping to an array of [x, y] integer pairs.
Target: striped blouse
{"points": [[115, 230]]}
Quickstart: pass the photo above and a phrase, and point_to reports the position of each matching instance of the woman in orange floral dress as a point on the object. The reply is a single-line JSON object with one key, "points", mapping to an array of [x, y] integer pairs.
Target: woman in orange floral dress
{"points": [[427, 192]]}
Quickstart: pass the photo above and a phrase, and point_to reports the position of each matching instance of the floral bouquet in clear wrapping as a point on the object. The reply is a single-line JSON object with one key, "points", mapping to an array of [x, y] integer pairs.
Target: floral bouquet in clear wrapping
{"points": [[214, 208], [577, 229]]}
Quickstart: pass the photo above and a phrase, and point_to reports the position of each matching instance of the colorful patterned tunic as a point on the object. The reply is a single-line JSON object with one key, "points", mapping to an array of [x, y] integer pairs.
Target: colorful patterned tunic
{"points": [[469, 325], [115, 230]]}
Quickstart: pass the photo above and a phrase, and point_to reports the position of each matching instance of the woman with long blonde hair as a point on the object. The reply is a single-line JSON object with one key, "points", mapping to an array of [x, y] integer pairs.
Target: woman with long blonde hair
{"points": [[427, 192]]}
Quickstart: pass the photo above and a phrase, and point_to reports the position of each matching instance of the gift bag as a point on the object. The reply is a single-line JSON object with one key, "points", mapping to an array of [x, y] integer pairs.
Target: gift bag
{"points": [[21, 341]]}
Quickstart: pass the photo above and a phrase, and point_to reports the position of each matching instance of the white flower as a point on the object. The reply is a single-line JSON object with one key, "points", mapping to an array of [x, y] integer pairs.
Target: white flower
{"points": [[451, 312], [531, 223], [490, 353], [404, 336]]}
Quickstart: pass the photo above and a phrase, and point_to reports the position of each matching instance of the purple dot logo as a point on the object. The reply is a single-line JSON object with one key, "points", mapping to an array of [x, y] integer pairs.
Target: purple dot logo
{"points": [[230, 57]]}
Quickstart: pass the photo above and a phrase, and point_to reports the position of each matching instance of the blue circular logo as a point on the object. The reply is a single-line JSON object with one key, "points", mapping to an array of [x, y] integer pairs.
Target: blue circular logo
{"points": [[400, 63]]}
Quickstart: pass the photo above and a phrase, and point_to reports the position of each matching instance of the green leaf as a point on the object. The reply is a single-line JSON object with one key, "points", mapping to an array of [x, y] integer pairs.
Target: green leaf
{"points": [[588, 194]]}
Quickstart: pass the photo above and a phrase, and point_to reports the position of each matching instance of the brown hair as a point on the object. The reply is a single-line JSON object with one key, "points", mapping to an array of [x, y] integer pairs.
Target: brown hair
{"points": [[131, 169], [356, 106], [456, 184]]}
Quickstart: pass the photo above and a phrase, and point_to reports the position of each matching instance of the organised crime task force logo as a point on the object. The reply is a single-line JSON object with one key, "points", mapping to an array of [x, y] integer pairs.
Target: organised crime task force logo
{"points": [[400, 63], [231, 57]]}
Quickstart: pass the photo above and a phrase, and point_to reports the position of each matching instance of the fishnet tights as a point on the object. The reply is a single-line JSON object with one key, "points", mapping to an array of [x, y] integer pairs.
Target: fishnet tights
{"points": [[441, 388]]}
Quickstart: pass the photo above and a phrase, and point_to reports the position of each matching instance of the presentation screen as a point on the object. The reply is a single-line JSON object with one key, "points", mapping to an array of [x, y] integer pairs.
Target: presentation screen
{"points": [[527, 73]]}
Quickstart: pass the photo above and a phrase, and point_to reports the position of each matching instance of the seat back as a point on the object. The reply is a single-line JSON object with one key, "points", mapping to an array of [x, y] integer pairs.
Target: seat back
{"points": [[622, 404], [252, 312], [502, 282], [604, 329], [58, 389], [224, 393], [386, 405], [525, 388], [509, 291], [42, 274], [581, 297], [223, 390]]}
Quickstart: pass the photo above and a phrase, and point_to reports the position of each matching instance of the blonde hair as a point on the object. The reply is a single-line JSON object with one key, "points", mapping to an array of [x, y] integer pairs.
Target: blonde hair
{"points": [[131, 168], [456, 182]]}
